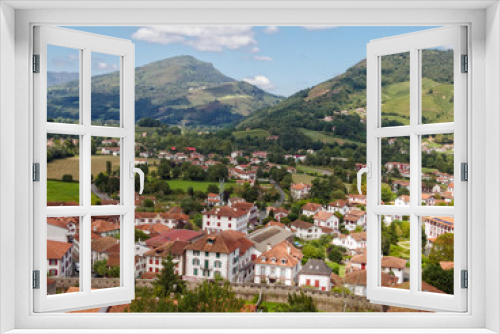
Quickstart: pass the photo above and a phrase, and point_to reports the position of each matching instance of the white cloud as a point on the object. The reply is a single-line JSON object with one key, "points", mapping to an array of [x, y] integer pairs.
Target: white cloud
{"points": [[271, 30], [319, 27], [262, 58], [103, 66], [203, 38], [260, 81]]}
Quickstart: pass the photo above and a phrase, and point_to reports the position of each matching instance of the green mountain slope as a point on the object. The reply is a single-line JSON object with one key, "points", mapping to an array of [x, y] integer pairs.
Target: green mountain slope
{"points": [[347, 92], [180, 90]]}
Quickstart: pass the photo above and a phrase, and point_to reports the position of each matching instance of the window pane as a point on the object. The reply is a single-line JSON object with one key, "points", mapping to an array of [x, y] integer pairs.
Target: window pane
{"points": [[395, 251], [63, 255], [437, 254], [437, 170], [105, 246], [63, 170], [395, 97], [395, 171], [105, 171], [105, 89], [437, 85], [63, 84]]}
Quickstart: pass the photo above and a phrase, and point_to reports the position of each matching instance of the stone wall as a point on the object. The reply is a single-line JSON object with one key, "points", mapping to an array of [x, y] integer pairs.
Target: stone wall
{"points": [[325, 300]]}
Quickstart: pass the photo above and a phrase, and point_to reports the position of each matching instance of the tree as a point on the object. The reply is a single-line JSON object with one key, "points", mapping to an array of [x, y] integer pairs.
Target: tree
{"points": [[109, 167], [298, 303], [213, 188], [147, 203], [434, 275], [67, 178], [335, 256], [217, 172], [164, 171], [167, 280], [198, 220], [443, 248], [140, 235], [211, 296]]}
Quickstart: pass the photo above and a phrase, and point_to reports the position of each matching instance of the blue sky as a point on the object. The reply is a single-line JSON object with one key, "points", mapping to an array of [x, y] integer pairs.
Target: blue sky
{"points": [[281, 60]]}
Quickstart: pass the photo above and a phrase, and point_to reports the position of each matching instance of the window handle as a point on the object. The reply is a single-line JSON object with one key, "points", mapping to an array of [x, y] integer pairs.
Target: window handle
{"points": [[363, 170], [139, 171]]}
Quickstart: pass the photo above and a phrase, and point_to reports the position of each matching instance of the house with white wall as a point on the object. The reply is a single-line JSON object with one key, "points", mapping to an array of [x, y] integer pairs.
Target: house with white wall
{"points": [[315, 273], [225, 218], [310, 209], [59, 259], [226, 254], [175, 249], [278, 265]]}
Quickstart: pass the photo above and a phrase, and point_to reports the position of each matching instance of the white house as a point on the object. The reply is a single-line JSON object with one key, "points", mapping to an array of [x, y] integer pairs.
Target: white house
{"points": [[225, 218], [279, 264], [213, 199], [172, 218], [356, 281], [354, 218], [300, 190], [102, 248], [226, 254], [310, 209], [308, 231], [154, 257], [390, 265], [436, 226], [61, 228], [352, 241], [402, 200], [315, 273], [326, 219], [59, 260], [341, 206]]}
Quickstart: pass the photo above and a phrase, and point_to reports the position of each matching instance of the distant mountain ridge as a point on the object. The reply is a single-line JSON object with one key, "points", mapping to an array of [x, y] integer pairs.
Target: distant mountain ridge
{"points": [[178, 91], [307, 108], [57, 78]]}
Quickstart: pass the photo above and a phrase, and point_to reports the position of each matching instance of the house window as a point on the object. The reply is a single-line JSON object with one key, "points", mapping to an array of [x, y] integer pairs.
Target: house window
{"points": [[217, 255], [195, 272], [207, 254]]}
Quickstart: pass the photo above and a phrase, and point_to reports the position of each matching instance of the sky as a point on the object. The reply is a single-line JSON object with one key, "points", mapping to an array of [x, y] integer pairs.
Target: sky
{"points": [[280, 60]]}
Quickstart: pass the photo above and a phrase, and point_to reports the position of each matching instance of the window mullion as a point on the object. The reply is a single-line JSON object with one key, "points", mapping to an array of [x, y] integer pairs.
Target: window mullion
{"points": [[86, 168], [415, 184]]}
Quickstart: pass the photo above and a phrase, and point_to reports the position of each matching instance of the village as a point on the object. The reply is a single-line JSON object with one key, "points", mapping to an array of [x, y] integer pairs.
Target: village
{"points": [[291, 239]]}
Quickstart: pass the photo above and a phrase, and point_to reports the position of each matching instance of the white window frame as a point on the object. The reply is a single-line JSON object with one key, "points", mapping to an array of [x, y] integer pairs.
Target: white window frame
{"points": [[484, 50], [85, 43], [413, 43]]}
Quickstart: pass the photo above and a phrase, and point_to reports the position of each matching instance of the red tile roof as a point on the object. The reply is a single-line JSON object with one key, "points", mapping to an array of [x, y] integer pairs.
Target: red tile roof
{"points": [[223, 242], [171, 235], [57, 249], [226, 211], [284, 250], [312, 207]]}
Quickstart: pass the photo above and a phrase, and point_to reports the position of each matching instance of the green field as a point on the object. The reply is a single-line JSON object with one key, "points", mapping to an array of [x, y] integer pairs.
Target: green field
{"points": [[196, 185], [251, 133], [437, 102], [58, 191], [316, 135], [57, 168], [302, 178]]}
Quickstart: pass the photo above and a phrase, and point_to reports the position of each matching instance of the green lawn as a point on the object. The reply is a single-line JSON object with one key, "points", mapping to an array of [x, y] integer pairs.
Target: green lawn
{"points": [[302, 178], [197, 185], [316, 135], [251, 133], [58, 191]]}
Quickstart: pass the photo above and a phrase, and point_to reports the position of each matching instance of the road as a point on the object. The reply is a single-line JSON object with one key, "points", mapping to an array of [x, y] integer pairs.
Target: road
{"points": [[99, 194], [282, 198]]}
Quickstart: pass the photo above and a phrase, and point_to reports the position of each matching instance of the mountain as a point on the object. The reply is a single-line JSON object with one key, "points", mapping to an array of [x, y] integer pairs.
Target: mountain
{"points": [[306, 109], [178, 91], [57, 78]]}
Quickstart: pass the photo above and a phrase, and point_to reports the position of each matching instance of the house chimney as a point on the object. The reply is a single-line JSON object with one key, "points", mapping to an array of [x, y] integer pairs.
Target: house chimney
{"points": [[95, 228], [288, 249], [269, 247]]}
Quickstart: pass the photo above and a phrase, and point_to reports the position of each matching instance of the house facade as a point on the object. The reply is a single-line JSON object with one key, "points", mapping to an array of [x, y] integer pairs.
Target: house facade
{"points": [[225, 218], [315, 273], [278, 265]]}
